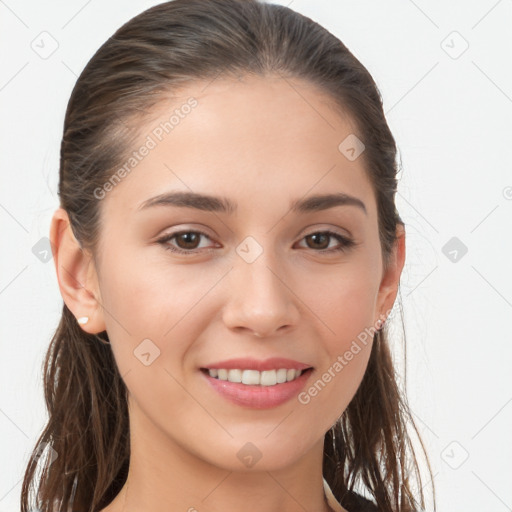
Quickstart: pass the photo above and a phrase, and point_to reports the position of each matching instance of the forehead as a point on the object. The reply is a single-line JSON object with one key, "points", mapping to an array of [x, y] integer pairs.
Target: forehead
{"points": [[272, 138]]}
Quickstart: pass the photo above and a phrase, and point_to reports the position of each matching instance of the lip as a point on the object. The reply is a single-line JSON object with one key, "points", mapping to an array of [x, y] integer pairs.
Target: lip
{"points": [[244, 363], [258, 397]]}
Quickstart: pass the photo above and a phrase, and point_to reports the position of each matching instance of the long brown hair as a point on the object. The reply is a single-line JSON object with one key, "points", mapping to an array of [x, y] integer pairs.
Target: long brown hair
{"points": [[86, 439]]}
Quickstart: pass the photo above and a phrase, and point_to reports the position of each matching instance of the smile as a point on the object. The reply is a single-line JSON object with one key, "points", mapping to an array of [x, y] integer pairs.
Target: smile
{"points": [[257, 390], [254, 377]]}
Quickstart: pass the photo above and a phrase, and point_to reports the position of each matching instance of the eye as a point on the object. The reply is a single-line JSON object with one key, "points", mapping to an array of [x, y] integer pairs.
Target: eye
{"points": [[320, 237], [187, 241]]}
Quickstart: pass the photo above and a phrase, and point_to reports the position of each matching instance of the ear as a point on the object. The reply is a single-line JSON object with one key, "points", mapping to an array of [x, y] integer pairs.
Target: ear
{"points": [[391, 277], [76, 274]]}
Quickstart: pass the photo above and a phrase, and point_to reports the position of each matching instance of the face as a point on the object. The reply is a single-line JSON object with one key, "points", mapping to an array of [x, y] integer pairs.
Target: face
{"points": [[182, 288]]}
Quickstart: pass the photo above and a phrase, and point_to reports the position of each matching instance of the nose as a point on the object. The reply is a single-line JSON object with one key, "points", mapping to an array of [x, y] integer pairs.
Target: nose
{"points": [[260, 300]]}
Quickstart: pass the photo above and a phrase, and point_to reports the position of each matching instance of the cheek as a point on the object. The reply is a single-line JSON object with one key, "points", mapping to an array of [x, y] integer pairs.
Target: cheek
{"points": [[147, 295], [347, 301], [146, 300], [347, 307], [345, 353]]}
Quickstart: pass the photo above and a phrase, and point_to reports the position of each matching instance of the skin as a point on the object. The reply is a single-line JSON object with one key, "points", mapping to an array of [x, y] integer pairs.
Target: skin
{"points": [[261, 142]]}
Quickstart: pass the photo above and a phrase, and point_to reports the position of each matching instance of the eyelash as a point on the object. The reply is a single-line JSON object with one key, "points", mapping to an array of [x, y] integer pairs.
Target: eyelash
{"points": [[346, 243]]}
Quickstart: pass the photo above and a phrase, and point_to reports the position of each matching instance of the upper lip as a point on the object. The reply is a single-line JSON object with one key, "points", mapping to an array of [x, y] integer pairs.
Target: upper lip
{"points": [[273, 363]]}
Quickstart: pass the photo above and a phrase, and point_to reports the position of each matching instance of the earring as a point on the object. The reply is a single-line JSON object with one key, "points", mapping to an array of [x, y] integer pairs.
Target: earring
{"points": [[83, 320]]}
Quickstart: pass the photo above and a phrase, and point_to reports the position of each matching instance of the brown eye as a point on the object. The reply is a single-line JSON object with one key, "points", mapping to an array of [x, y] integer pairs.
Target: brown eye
{"points": [[189, 239], [186, 242], [320, 240]]}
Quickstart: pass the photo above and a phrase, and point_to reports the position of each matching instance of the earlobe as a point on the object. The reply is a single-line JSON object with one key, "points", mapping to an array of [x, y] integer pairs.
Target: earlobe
{"points": [[391, 277], [76, 274]]}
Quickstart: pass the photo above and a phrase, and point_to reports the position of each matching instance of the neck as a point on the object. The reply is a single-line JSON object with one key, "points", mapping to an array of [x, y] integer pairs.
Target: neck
{"points": [[164, 475], [221, 490]]}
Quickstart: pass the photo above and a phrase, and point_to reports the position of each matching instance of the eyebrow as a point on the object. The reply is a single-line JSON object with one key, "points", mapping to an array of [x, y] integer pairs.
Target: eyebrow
{"points": [[210, 203]]}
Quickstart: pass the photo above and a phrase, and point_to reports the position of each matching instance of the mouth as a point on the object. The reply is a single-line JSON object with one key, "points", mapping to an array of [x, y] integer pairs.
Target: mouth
{"points": [[249, 377], [257, 390]]}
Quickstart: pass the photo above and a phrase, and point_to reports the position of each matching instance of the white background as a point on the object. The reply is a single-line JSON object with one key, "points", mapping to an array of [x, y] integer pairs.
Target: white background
{"points": [[451, 116]]}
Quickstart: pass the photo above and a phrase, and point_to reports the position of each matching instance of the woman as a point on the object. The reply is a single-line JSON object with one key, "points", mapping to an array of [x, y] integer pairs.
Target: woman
{"points": [[228, 249]]}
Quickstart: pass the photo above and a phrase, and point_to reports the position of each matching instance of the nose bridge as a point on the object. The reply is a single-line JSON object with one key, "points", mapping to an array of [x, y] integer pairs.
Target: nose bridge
{"points": [[259, 299]]}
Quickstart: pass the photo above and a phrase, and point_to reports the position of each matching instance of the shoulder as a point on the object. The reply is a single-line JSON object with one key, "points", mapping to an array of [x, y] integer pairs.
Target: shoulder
{"points": [[350, 501], [354, 502]]}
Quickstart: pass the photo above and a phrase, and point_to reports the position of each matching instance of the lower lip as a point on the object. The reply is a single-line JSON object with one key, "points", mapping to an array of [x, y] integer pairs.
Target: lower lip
{"points": [[258, 397]]}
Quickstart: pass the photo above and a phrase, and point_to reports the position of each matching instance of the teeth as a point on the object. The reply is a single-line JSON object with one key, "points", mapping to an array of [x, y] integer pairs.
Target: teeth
{"points": [[255, 378], [234, 376]]}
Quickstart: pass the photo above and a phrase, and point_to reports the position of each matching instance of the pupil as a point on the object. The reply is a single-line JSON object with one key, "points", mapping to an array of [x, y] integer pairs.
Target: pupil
{"points": [[315, 237], [187, 236]]}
